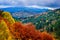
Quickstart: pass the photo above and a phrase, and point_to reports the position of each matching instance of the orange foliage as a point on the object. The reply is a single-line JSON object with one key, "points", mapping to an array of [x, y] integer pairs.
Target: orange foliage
{"points": [[1, 18], [27, 31], [47, 36]]}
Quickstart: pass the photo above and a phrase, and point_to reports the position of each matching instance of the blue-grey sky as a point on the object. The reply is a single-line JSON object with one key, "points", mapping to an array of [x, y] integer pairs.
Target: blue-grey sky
{"points": [[45, 3]]}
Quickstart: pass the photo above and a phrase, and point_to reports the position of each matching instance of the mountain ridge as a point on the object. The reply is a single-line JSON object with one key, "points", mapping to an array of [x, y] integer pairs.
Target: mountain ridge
{"points": [[24, 9]]}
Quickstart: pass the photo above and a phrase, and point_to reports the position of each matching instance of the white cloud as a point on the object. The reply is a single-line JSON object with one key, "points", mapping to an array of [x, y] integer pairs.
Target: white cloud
{"points": [[40, 7], [27, 2], [2, 6], [30, 2]]}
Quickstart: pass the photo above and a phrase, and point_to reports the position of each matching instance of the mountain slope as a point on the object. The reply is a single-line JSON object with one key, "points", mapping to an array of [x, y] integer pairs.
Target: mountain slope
{"points": [[46, 19]]}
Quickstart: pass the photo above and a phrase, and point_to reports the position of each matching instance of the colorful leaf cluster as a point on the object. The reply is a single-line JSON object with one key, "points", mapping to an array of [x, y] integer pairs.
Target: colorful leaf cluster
{"points": [[27, 31], [11, 30]]}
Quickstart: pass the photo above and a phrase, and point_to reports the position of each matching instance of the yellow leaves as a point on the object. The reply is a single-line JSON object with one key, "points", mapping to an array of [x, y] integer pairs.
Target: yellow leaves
{"points": [[8, 16], [4, 31], [2, 25], [10, 38], [1, 32]]}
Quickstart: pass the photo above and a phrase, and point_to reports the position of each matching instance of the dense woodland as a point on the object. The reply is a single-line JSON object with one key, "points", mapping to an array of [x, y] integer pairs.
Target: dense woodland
{"points": [[47, 21], [43, 27]]}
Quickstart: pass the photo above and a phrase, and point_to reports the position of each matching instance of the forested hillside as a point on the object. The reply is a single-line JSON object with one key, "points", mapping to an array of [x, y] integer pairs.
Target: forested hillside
{"points": [[47, 21], [13, 30], [44, 20]]}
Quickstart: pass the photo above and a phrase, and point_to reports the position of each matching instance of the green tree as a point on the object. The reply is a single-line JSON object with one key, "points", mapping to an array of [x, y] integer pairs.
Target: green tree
{"points": [[57, 29]]}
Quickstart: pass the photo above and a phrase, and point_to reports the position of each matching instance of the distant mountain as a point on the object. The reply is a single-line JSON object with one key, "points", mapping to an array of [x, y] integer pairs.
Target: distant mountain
{"points": [[25, 11]]}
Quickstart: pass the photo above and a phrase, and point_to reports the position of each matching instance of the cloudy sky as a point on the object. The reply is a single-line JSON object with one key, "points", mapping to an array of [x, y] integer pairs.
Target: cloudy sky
{"points": [[44, 3]]}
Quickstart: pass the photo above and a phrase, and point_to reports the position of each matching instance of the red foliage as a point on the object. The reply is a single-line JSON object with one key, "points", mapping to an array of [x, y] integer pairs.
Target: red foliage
{"points": [[1, 18], [27, 31], [47, 36]]}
